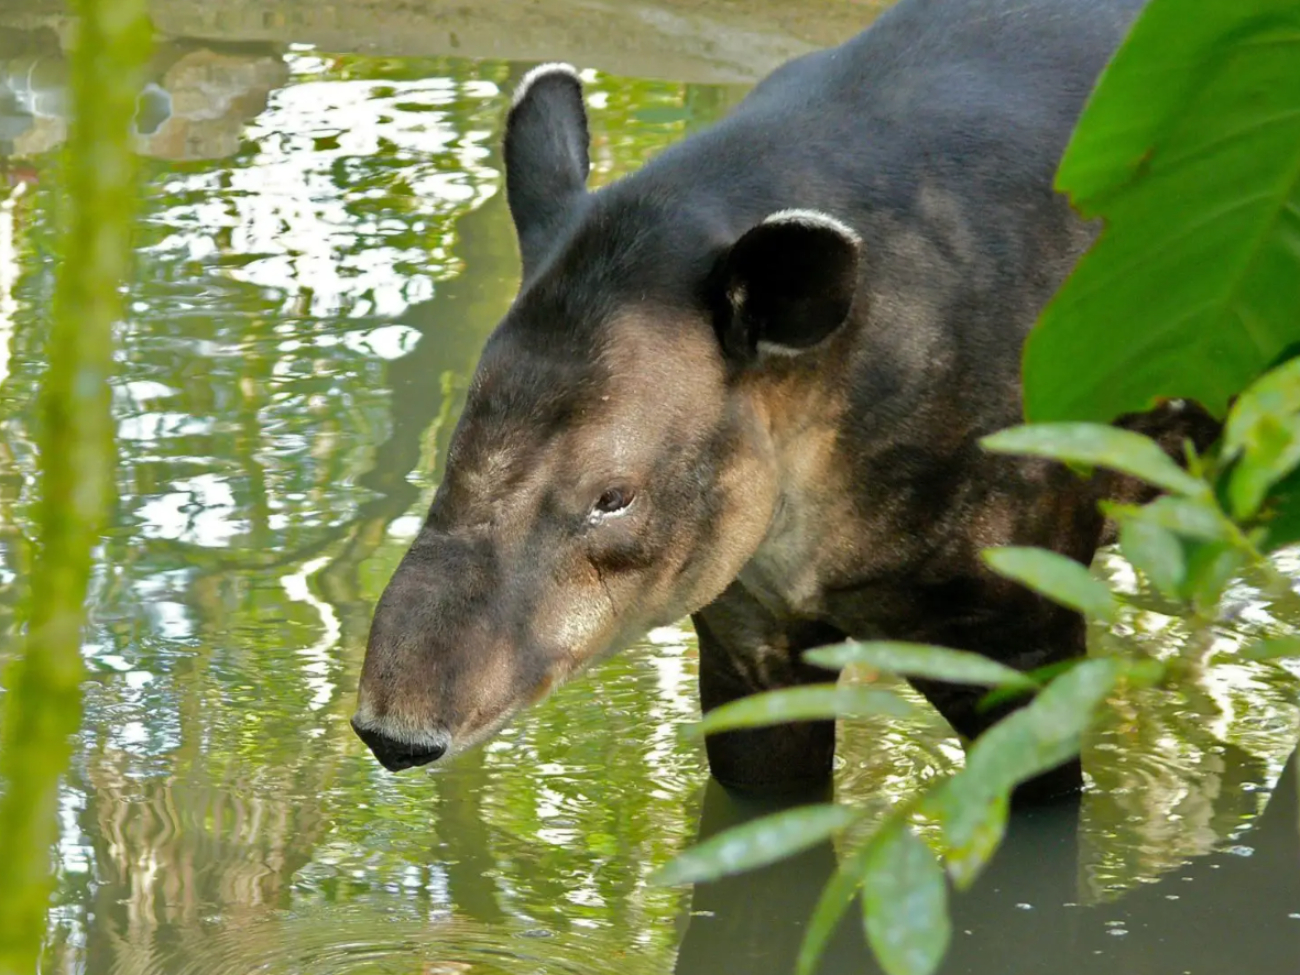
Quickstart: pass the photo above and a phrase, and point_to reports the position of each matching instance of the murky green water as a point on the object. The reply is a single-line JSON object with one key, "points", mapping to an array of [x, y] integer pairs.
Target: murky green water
{"points": [[323, 250]]}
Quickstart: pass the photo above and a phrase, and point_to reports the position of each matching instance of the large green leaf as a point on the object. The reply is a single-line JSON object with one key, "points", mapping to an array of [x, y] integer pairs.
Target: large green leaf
{"points": [[1097, 445], [1190, 150], [920, 660], [757, 844], [812, 702], [1057, 577], [906, 903]]}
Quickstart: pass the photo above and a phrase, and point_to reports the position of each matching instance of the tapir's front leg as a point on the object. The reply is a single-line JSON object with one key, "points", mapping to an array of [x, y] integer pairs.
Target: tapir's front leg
{"points": [[744, 649]]}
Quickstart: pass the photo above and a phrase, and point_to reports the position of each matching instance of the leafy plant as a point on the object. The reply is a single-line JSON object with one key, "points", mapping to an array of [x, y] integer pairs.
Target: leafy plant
{"points": [[1190, 151]]}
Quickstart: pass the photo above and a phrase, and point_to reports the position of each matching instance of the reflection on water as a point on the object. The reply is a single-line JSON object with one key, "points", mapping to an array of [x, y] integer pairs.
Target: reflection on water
{"points": [[324, 248]]}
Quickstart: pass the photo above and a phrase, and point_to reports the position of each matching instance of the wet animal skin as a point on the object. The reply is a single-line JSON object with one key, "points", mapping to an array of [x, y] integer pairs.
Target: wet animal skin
{"points": [[747, 383]]}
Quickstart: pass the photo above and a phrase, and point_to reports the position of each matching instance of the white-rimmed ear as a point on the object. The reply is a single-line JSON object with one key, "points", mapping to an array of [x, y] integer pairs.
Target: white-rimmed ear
{"points": [[786, 284], [546, 156]]}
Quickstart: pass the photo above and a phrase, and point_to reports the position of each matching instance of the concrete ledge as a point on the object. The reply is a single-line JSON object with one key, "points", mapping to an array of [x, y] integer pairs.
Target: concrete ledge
{"points": [[720, 41]]}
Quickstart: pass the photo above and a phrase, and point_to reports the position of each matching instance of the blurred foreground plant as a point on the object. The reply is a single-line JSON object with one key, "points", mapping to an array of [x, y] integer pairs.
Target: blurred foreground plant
{"points": [[42, 705], [1190, 149]]}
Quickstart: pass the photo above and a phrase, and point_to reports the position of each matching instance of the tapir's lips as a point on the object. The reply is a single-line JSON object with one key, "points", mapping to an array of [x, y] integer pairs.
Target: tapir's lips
{"points": [[396, 754]]}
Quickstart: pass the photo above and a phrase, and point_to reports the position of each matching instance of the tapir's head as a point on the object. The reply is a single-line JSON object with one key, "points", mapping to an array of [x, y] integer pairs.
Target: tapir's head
{"points": [[616, 465]]}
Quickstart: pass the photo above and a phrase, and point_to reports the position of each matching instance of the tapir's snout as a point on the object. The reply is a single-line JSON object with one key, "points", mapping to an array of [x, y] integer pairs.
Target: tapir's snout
{"points": [[395, 754]]}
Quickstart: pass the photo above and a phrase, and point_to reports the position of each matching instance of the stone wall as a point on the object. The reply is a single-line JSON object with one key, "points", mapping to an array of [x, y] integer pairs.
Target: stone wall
{"points": [[683, 40]]}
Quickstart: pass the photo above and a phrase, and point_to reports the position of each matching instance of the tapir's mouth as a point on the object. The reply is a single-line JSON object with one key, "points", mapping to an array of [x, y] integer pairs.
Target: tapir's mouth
{"points": [[396, 755]]}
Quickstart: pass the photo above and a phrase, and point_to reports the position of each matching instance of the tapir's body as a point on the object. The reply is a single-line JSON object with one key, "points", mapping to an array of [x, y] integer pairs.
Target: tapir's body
{"points": [[747, 383]]}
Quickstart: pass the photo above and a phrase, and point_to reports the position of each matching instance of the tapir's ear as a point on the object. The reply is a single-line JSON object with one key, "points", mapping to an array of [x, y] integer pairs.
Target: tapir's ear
{"points": [[546, 155], [786, 284]]}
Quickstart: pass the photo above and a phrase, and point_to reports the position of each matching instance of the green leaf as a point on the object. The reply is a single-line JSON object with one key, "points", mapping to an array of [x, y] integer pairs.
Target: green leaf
{"points": [[756, 844], [905, 902], [811, 702], [1273, 648], [1046, 732], [1263, 434], [1198, 519], [1039, 676], [1154, 551], [1275, 394], [1097, 445], [1210, 567], [971, 839], [1057, 577], [1272, 452], [920, 660], [1038, 737], [1188, 149], [835, 899], [1281, 515]]}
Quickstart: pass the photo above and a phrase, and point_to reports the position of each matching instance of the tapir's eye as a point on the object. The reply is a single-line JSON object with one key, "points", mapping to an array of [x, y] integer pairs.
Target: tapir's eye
{"points": [[613, 501]]}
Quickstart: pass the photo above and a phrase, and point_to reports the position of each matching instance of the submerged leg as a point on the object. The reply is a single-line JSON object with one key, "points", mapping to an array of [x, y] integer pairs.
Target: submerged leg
{"points": [[745, 650]]}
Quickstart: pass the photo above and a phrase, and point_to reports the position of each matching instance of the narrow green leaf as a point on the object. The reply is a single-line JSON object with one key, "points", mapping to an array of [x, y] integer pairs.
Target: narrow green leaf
{"points": [[905, 903], [756, 844], [1273, 648], [1040, 736], [971, 839], [1097, 445], [1155, 552], [1210, 566], [1057, 577], [811, 702], [1199, 518], [920, 660], [1275, 394], [1046, 732], [835, 899], [1272, 451], [1281, 515], [1039, 676]]}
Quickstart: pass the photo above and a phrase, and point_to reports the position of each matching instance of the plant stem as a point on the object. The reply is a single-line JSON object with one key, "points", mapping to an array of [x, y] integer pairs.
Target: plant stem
{"points": [[43, 704]]}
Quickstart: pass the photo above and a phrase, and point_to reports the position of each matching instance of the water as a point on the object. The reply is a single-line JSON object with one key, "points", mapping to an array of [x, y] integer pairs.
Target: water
{"points": [[323, 249]]}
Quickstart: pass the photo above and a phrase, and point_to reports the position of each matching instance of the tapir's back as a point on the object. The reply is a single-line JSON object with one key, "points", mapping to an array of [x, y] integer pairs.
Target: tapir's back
{"points": [[1048, 51], [976, 98]]}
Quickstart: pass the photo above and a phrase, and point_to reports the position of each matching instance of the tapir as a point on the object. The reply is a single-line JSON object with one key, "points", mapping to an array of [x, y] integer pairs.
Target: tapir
{"points": [[747, 383]]}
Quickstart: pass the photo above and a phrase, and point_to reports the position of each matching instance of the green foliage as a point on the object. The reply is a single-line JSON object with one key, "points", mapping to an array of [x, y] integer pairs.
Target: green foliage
{"points": [[1262, 438], [905, 902], [811, 702], [1273, 649], [43, 707], [971, 806], [920, 660], [758, 843], [831, 906], [1055, 576], [1189, 150], [1096, 445]]}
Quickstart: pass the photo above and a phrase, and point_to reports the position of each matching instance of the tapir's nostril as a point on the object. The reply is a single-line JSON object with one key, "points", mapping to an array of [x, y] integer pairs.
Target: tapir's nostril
{"points": [[395, 755]]}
